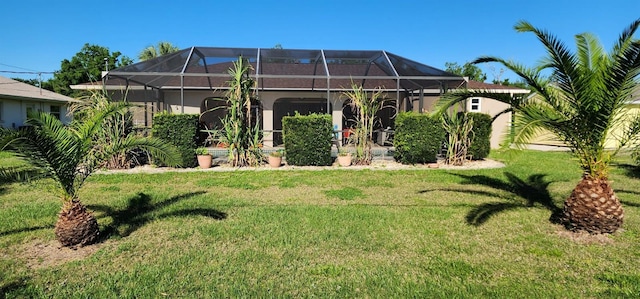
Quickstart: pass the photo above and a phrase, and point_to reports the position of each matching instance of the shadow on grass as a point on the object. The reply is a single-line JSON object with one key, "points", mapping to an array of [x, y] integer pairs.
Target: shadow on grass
{"points": [[628, 203], [534, 191], [8, 287], [10, 175], [26, 229], [140, 210], [630, 170]]}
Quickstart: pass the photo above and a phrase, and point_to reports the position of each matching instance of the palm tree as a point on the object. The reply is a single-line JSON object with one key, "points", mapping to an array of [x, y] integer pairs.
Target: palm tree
{"points": [[582, 103], [162, 48], [69, 155]]}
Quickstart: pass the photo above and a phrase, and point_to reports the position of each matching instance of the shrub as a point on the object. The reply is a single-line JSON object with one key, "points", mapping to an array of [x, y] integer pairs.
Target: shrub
{"points": [[277, 154], [418, 138], [481, 137], [365, 107], [180, 130], [458, 126], [307, 139], [201, 151]]}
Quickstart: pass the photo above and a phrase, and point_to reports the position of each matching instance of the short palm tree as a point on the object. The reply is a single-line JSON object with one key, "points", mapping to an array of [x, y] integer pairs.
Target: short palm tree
{"points": [[582, 103], [69, 155]]}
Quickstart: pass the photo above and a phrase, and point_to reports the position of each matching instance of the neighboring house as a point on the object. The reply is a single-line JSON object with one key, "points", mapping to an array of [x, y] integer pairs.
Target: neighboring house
{"points": [[288, 81], [17, 99]]}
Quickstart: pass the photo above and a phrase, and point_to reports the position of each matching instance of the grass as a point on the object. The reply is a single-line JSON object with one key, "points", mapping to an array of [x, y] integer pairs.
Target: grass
{"points": [[334, 233]]}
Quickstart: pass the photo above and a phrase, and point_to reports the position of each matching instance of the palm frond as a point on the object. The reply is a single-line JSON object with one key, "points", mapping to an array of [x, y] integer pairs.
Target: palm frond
{"points": [[583, 100], [158, 149], [19, 174], [531, 76], [562, 61], [453, 98]]}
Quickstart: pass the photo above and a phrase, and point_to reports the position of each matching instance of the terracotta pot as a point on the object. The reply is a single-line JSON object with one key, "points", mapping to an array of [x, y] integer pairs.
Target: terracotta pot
{"points": [[205, 161], [344, 160], [275, 161]]}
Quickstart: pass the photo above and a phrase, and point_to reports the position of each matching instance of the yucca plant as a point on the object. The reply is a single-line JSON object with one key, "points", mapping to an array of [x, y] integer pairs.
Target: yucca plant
{"points": [[365, 107], [241, 136], [582, 102], [457, 96], [69, 155], [459, 132]]}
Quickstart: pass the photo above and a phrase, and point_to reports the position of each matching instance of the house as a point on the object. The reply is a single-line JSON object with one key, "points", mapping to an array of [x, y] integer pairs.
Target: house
{"points": [[18, 99], [288, 81]]}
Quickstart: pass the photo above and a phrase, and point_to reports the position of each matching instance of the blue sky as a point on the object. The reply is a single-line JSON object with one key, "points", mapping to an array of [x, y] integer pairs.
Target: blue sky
{"points": [[38, 35]]}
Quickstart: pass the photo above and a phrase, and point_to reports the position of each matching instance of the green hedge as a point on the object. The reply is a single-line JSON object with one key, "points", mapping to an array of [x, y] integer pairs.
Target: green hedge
{"points": [[481, 137], [307, 139], [418, 138], [180, 130]]}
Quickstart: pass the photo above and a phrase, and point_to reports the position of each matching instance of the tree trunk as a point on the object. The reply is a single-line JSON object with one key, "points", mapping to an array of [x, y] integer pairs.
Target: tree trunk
{"points": [[593, 207], [76, 225]]}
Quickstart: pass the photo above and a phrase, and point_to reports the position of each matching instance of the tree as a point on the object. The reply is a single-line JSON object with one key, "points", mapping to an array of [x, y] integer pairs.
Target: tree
{"points": [[467, 70], [37, 83], [582, 102], [86, 66], [69, 155], [162, 48], [506, 82]]}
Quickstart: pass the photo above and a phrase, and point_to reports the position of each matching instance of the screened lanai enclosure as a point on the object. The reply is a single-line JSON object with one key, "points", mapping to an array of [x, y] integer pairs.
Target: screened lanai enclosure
{"points": [[287, 81]]}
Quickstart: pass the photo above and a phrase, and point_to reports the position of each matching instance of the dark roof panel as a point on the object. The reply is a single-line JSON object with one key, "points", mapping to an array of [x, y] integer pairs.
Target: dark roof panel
{"points": [[281, 69]]}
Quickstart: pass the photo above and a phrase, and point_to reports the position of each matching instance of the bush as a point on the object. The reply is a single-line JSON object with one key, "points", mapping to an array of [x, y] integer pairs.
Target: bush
{"points": [[418, 138], [635, 155], [481, 137], [307, 139], [180, 130]]}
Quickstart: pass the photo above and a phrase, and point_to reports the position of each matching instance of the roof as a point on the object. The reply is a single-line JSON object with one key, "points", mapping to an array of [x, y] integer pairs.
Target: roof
{"points": [[285, 69], [13, 89]]}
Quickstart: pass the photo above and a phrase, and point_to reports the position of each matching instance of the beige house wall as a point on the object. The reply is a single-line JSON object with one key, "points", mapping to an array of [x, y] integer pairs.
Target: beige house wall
{"points": [[501, 125], [428, 104], [631, 111]]}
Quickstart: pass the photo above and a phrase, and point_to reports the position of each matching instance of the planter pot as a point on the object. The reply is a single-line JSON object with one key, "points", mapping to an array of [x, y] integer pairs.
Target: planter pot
{"points": [[344, 160], [275, 161], [205, 161]]}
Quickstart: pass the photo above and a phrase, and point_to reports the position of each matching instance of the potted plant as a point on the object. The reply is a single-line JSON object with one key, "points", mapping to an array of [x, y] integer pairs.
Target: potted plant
{"points": [[344, 157], [275, 158], [204, 158]]}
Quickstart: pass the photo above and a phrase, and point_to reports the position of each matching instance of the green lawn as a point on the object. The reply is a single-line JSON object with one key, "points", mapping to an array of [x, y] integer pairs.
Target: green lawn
{"points": [[428, 233]]}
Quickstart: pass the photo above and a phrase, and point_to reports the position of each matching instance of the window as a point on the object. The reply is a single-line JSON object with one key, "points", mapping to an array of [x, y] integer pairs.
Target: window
{"points": [[1, 112], [30, 109], [475, 105], [55, 111]]}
